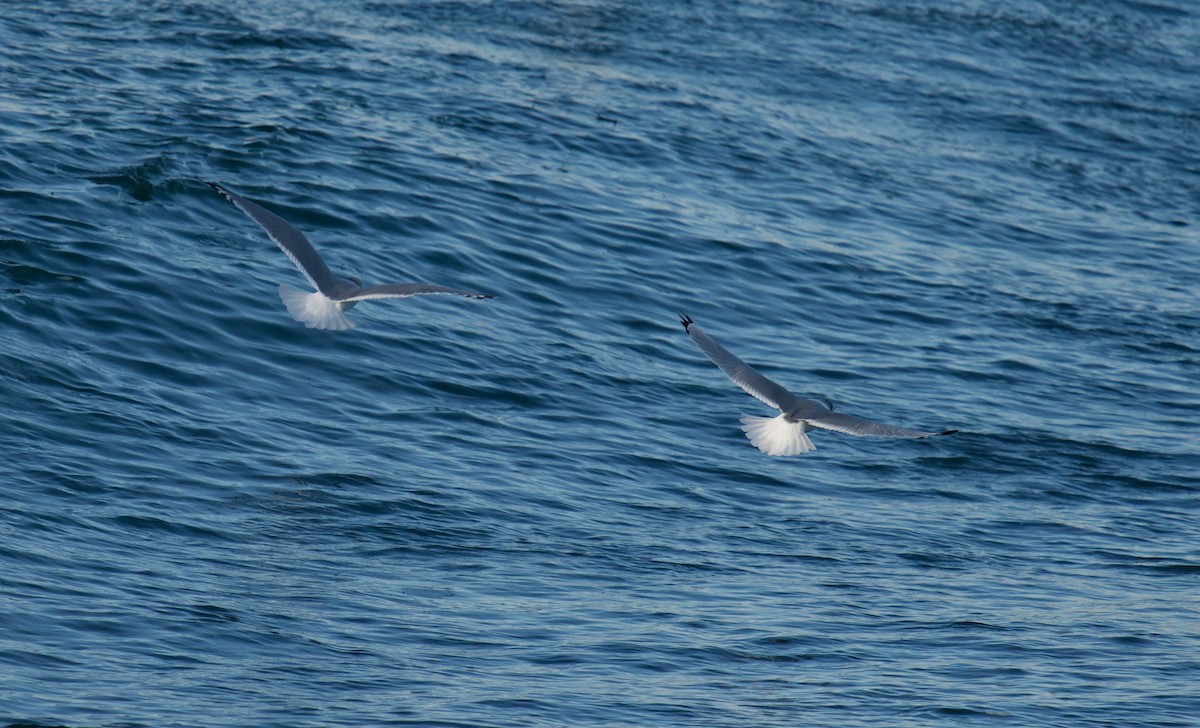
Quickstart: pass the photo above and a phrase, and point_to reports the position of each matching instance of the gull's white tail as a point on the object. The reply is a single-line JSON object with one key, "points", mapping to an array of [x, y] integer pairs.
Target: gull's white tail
{"points": [[777, 435], [314, 310]]}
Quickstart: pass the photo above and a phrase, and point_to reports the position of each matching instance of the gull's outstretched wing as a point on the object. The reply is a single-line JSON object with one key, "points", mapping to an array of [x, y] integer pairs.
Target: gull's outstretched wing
{"points": [[290, 240], [742, 374], [403, 290], [851, 425]]}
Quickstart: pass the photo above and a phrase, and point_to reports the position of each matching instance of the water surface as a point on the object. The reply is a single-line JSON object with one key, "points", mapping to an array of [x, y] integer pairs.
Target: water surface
{"points": [[539, 510]]}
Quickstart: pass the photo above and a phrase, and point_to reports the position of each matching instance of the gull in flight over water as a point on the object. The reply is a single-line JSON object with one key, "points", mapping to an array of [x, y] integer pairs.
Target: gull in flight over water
{"points": [[325, 307], [785, 434]]}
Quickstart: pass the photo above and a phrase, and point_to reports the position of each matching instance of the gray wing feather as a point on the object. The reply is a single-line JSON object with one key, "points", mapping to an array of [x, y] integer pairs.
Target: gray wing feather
{"points": [[851, 425], [742, 374], [404, 290], [290, 240]]}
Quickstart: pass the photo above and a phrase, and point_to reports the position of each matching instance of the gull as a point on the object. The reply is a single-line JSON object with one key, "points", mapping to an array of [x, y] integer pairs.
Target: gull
{"points": [[786, 433], [325, 307]]}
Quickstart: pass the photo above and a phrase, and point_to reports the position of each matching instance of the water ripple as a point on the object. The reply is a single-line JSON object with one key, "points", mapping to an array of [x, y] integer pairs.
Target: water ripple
{"points": [[540, 509]]}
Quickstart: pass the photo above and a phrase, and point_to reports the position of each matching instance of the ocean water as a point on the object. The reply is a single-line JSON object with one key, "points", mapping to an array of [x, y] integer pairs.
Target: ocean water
{"points": [[539, 510]]}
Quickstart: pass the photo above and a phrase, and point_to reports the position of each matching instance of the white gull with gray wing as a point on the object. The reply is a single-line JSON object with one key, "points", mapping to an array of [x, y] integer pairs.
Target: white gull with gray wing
{"points": [[786, 434], [325, 308]]}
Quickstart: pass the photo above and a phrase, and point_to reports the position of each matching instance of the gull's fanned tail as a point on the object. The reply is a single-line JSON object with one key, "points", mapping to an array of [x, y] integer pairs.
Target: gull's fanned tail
{"points": [[779, 436], [314, 310]]}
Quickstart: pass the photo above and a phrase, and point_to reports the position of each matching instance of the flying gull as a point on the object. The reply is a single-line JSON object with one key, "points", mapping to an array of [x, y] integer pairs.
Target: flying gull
{"points": [[785, 434], [325, 307]]}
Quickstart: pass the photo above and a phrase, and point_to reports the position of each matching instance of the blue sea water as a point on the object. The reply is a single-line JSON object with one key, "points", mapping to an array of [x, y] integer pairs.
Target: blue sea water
{"points": [[539, 510]]}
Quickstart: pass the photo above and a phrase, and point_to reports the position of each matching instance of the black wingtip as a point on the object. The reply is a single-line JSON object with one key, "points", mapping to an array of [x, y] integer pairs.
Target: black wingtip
{"points": [[220, 190], [948, 432], [686, 321]]}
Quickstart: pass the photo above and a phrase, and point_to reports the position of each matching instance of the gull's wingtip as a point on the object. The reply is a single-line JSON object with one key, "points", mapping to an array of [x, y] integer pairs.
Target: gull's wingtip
{"points": [[685, 320], [947, 432], [220, 188]]}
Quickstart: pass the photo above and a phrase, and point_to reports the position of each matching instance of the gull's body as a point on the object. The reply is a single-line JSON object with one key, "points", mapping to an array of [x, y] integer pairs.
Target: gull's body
{"points": [[325, 307], [786, 433]]}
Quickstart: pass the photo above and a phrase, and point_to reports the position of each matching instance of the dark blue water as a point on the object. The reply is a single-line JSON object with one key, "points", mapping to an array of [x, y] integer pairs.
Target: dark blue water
{"points": [[539, 510]]}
